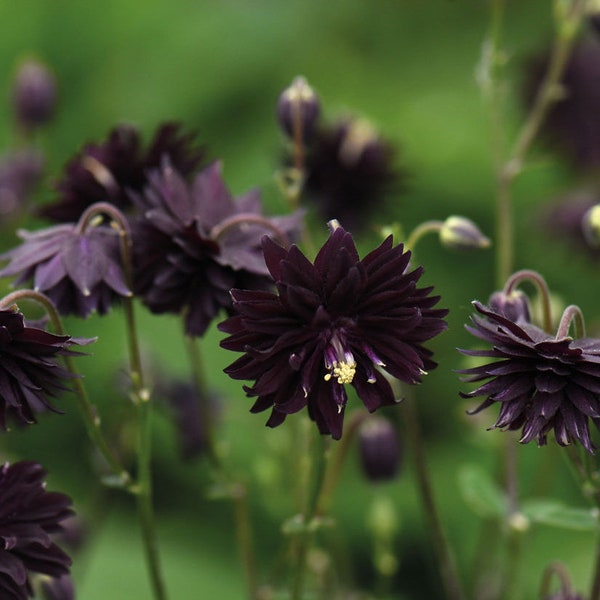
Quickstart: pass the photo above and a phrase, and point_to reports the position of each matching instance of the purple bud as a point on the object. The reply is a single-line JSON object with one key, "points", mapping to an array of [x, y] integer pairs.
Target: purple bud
{"points": [[33, 94], [513, 306], [379, 449], [460, 233], [298, 109], [58, 588]]}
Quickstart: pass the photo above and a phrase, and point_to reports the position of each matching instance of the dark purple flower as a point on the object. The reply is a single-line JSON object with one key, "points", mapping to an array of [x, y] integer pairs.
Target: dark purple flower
{"points": [[29, 515], [34, 94], [572, 125], [29, 371], [341, 320], [20, 173], [194, 242], [541, 383], [349, 171], [109, 171], [379, 447], [80, 271], [298, 110]]}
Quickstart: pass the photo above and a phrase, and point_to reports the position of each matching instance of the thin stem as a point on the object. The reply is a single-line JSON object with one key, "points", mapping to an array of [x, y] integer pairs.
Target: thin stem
{"points": [[421, 230], [241, 220], [540, 283], [595, 589], [88, 411], [572, 315], [450, 579], [310, 512]]}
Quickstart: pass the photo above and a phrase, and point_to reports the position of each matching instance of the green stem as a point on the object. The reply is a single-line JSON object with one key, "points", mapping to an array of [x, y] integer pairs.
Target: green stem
{"points": [[544, 293], [421, 230], [88, 411], [305, 536], [572, 315], [450, 579]]}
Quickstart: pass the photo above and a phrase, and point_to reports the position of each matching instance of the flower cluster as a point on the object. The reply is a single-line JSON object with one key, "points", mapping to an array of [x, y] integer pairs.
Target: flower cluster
{"points": [[342, 320]]}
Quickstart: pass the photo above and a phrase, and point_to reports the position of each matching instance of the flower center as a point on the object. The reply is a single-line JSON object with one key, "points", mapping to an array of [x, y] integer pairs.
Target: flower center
{"points": [[339, 362]]}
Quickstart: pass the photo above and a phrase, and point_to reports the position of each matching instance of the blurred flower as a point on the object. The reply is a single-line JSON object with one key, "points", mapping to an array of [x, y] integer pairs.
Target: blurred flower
{"points": [[564, 219], [379, 447], [460, 233], [33, 94], [20, 173], [572, 125], [108, 171], [194, 243], [542, 383], [349, 171], [184, 402], [28, 516], [298, 110], [335, 322], [79, 270], [564, 596], [58, 588], [28, 370], [590, 225]]}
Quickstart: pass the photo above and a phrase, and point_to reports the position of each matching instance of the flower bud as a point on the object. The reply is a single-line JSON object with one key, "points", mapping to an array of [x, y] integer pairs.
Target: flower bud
{"points": [[58, 588], [513, 306], [590, 226], [379, 449], [20, 172], [460, 233], [33, 94], [298, 109]]}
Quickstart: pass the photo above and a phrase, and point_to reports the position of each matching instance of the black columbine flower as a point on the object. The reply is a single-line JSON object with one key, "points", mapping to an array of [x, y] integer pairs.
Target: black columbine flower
{"points": [[572, 125], [109, 171], [79, 270], [194, 242], [349, 171], [542, 383], [29, 371], [338, 321], [29, 515]]}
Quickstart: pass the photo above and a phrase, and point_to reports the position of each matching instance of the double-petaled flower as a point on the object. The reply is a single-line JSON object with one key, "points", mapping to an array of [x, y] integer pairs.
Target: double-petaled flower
{"points": [[29, 516], [541, 382], [338, 321]]}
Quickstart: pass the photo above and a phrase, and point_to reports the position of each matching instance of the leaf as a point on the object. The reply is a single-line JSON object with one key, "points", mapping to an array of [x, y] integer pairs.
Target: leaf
{"points": [[480, 492], [556, 514]]}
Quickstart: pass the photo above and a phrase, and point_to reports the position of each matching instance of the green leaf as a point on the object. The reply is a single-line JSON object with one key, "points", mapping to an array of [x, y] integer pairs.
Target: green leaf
{"points": [[480, 492], [556, 514]]}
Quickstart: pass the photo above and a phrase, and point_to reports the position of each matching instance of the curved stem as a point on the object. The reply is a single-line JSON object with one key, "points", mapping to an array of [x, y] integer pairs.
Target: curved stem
{"points": [[572, 315], [242, 219], [540, 283], [421, 230], [450, 579], [88, 411]]}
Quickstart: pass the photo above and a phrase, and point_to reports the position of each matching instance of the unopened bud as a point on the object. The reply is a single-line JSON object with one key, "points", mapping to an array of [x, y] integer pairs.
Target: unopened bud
{"points": [[33, 94], [379, 449], [513, 306], [298, 109], [460, 233], [590, 226]]}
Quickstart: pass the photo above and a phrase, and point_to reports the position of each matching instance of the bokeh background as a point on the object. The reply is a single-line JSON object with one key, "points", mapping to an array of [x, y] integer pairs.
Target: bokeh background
{"points": [[218, 67]]}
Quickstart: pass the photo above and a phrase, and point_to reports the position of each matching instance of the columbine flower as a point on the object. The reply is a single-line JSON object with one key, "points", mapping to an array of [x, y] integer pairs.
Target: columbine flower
{"points": [[28, 516], [195, 242], [79, 270], [109, 171], [349, 171], [542, 383], [20, 173], [29, 371], [338, 321]]}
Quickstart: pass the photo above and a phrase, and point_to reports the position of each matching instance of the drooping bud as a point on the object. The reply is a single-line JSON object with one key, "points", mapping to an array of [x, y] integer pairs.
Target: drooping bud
{"points": [[460, 233], [298, 109], [34, 95], [379, 449], [514, 306], [590, 226]]}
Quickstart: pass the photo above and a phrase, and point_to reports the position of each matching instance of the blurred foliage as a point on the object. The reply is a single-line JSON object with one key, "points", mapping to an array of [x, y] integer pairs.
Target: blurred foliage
{"points": [[218, 66]]}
